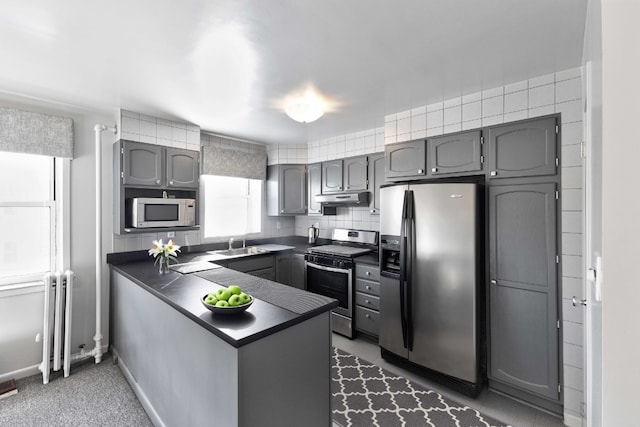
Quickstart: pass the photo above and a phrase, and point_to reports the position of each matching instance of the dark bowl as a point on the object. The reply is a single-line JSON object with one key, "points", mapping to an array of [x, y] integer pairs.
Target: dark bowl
{"points": [[226, 310]]}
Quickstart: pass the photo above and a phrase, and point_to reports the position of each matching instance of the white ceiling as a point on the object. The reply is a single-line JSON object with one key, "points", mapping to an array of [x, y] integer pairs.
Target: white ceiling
{"points": [[226, 64]]}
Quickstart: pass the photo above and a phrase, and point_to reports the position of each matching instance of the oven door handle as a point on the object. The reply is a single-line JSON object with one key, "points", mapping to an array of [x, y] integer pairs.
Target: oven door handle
{"points": [[331, 269]]}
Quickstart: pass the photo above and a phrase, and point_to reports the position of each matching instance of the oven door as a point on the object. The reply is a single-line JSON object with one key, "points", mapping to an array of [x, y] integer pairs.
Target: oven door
{"points": [[332, 282]]}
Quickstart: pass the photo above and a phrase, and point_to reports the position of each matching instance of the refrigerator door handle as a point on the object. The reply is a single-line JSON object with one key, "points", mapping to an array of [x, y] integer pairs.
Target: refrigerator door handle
{"points": [[408, 298], [403, 269]]}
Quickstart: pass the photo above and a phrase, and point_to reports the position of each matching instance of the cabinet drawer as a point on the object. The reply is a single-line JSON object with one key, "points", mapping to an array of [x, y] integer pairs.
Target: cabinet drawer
{"points": [[369, 272], [368, 301], [367, 320], [252, 263], [368, 287]]}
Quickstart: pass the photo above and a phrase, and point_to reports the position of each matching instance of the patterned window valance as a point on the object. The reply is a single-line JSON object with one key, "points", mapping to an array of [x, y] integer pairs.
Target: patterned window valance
{"points": [[35, 133], [230, 158]]}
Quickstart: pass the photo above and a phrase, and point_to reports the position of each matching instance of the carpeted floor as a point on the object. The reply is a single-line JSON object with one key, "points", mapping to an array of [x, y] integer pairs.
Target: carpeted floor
{"points": [[92, 395], [363, 395]]}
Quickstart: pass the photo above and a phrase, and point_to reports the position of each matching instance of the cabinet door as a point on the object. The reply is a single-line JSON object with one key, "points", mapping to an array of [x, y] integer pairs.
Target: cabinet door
{"points": [[405, 160], [183, 168], [376, 179], [283, 268], [332, 176], [523, 287], [525, 148], [293, 189], [314, 179], [458, 153], [298, 271], [142, 164], [355, 173]]}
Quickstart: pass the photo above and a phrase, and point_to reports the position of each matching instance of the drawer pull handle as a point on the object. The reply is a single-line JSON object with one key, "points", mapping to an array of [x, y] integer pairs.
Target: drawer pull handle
{"points": [[367, 301], [368, 287], [368, 273], [367, 316]]}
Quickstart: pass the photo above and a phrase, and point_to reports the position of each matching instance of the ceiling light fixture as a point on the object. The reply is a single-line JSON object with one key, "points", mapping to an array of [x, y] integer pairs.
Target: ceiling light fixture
{"points": [[306, 107]]}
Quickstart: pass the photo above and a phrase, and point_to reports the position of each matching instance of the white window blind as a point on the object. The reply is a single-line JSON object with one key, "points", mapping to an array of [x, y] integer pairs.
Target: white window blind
{"points": [[232, 206]]}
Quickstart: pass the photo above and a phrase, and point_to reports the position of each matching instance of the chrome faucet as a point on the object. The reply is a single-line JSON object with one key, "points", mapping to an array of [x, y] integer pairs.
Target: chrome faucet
{"points": [[231, 243]]}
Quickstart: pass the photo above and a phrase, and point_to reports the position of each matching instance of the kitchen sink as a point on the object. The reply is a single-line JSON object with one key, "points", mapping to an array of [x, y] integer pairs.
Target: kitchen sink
{"points": [[250, 250]]}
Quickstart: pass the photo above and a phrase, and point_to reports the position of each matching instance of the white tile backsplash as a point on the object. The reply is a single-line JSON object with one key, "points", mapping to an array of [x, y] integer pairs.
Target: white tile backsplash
{"points": [[540, 96], [568, 90], [452, 115], [516, 101], [472, 111], [492, 106], [435, 119]]}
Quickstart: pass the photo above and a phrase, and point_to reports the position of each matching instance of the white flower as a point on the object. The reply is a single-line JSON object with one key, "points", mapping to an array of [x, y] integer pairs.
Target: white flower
{"points": [[171, 248], [157, 248]]}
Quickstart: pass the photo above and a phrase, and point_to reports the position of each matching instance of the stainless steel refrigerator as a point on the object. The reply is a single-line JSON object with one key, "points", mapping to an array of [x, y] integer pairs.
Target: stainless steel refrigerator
{"points": [[430, 273]]}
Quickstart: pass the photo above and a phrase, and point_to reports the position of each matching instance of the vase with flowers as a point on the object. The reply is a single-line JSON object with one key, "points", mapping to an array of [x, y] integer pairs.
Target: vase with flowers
{"points": [[164, 254]]}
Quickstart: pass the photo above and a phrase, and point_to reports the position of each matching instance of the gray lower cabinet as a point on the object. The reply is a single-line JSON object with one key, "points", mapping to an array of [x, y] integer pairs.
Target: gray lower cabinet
{"points": [[520, 149], [367, 308], [290, 269], [523, 289], [314, 187], [458, 153], [259, 266], [406, 160], [376, 179], [286, 190]]}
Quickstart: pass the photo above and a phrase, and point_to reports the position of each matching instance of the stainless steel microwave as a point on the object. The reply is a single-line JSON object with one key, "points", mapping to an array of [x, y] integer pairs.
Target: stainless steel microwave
{"points": [[149, 212]]}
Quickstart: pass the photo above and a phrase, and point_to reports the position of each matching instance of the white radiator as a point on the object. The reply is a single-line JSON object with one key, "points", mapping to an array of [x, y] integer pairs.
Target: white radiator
{"points": [[58, 290]]}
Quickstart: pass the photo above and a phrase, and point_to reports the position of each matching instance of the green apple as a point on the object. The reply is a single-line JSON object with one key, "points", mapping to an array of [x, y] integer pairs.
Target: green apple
{"points": [[222, 303], [244, 298], [211, 299], [234, 300], [223, 294], [235, 289]]}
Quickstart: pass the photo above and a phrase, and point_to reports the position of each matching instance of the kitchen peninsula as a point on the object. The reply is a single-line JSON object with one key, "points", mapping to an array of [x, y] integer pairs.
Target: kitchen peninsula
{"points": [[268, 366]]}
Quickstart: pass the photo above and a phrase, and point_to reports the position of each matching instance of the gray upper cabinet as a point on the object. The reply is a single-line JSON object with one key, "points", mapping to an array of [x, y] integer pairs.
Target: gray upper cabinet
{"points": [[158, 166], [355, 173], [183, 168], [455, 154], [523, 288], [286, 190], [314, 180], [141, 164], [332, 176], [405, 160], [376, 179], [520, 149]]}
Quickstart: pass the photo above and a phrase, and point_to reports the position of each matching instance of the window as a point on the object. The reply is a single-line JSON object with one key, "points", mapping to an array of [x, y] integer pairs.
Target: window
{"points": [[27, 217], [232, 206]]}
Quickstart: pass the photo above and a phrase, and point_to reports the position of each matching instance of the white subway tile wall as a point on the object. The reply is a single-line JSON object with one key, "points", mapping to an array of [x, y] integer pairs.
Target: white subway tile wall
{"points": [[155, 130], [287, 154]]}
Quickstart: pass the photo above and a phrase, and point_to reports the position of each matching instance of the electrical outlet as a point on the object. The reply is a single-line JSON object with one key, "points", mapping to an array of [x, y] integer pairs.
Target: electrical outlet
{"points": [[277, 225], [171, 234]]}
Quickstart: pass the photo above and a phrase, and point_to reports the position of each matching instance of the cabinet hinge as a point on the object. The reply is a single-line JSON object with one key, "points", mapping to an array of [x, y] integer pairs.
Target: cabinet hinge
{"points": [[557, 162], [481, 159], [583, 153], [121, 150], [482, 140], [559, 388], [557, 324], [122, 175], [557, 195], [557, 129], [557, 259]]}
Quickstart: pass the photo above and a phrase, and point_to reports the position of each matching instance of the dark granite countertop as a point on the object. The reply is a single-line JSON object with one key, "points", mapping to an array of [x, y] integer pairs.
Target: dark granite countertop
{"points": [[275, 307]]}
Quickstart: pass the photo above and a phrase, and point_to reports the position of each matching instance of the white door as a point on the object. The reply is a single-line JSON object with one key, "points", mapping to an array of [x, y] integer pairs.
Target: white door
{"points": [[593, 257]]}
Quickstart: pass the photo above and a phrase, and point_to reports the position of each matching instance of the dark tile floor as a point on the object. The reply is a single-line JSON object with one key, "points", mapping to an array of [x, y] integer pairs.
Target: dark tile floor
{"points": [[488, 402]]}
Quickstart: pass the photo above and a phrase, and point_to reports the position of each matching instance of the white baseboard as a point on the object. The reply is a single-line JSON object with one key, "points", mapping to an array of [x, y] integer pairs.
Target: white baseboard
{"points": [[33, 370], [572, 420]]}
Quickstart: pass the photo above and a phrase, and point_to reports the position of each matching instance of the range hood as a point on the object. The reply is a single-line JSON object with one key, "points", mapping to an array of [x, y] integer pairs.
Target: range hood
{"points": [[344, 199]]}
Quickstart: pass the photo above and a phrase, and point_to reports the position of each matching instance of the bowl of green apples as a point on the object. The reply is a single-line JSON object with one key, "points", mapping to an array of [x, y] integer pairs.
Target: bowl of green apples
{"points": [[228, 300]]}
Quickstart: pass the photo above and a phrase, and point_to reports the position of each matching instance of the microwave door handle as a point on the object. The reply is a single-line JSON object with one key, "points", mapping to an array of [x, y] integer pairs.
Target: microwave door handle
{"points": [[403, 269]]}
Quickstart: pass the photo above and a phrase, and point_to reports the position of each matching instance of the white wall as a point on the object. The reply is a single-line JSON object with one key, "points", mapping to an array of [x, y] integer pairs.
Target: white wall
{"points": [[19, 353], [621, 211]]}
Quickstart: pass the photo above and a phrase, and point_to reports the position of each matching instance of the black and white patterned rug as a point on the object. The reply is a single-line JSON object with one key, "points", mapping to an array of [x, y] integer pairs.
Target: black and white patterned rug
{"points": [[364, 394]]}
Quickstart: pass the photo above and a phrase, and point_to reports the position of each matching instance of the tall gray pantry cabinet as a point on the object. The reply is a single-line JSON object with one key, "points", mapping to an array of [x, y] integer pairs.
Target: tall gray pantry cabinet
{"points": [[523, 209]]}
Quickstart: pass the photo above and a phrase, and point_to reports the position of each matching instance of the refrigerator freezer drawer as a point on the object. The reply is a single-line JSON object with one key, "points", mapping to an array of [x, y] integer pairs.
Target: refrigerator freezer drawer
{"points": [[368, 301], [367, 320]]}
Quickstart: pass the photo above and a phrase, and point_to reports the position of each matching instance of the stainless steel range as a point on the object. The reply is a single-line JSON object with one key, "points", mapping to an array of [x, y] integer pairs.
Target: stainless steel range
{"points": [[330, 272]]}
